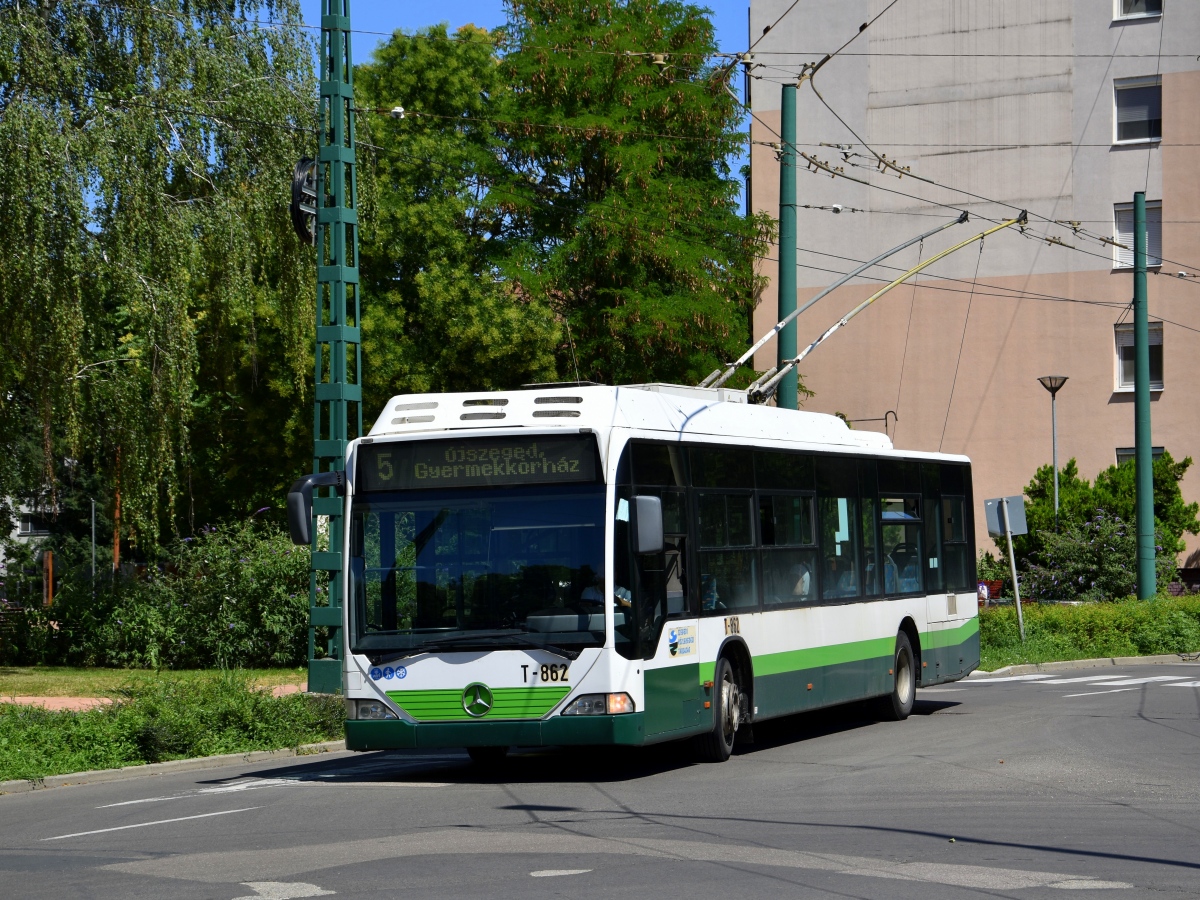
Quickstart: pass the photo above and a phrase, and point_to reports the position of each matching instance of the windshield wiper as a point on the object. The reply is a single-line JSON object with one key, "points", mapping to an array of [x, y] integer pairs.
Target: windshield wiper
{"points": [[484, 641]]}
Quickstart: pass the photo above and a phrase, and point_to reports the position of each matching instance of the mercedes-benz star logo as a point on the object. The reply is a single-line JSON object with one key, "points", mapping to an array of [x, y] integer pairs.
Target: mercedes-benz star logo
{"points": [[477, 700]]}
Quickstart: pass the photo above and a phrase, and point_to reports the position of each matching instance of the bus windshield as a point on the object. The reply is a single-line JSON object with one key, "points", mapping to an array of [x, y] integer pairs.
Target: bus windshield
{"points": [[477, 569]]}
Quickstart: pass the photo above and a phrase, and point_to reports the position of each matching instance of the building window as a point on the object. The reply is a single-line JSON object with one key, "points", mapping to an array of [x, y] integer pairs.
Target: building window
{"points": [[1123, 229], [1138, 9], [32, 525], [1138, 109], [1125, 357], [1126, 454]]}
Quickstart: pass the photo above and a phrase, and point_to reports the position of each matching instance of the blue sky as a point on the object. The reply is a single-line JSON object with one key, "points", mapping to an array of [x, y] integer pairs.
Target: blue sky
{"points": [[386, 16]]}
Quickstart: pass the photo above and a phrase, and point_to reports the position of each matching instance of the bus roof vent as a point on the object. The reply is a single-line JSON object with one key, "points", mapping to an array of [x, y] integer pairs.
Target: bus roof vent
{"points": [[557, 400], [490, 401], [406, 407], [556, 413], [411, 420], [483, 415]]}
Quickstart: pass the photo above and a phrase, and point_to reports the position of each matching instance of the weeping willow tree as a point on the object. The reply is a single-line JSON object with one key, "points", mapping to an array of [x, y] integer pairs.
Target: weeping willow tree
{"points": [[156, 306]]}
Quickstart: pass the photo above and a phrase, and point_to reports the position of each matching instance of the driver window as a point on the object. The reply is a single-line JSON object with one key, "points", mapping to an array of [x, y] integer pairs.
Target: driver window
{"points": [[901, 529]]}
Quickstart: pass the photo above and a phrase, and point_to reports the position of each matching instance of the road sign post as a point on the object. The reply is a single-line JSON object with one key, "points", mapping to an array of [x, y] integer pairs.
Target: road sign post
{"points": [[1006, 516]]}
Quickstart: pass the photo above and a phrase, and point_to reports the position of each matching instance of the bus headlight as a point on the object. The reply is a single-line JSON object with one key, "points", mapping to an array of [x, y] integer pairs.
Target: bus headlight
{"points": [[599, 705], [373, 709]]}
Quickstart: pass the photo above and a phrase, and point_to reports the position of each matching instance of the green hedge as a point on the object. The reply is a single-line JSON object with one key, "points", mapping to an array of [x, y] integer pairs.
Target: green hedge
{"points": [[161, 719], [236, 595], [1090, 630]]}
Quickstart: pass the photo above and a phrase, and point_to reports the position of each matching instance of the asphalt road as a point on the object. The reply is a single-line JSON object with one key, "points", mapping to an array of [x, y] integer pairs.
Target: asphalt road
{"points": [[1085, 781]]}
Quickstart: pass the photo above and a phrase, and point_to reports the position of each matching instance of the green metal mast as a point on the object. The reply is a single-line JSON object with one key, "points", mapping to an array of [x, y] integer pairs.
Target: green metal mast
{"points": [[787, 396], [338, 358], [1143, 454]]}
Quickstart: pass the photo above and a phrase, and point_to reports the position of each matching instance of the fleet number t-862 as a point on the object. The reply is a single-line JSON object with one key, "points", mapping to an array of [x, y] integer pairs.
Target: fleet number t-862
{"points": [[546, 673]]}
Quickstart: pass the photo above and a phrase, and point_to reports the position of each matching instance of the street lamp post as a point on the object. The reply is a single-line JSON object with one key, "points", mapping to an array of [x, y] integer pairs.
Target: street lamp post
{"points": [[1053, 383]]}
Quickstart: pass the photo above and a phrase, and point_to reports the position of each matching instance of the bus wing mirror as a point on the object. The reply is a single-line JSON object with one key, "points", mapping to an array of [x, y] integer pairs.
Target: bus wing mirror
{"points": [[299, 503], [648, 512]]}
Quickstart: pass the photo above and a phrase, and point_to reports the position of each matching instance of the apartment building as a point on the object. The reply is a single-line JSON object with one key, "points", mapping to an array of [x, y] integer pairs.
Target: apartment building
{"points": [[1061, 107]]}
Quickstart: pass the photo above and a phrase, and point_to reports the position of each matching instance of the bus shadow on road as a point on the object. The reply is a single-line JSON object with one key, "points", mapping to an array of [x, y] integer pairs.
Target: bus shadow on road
{"points": [[530, 765], [821, 723]]}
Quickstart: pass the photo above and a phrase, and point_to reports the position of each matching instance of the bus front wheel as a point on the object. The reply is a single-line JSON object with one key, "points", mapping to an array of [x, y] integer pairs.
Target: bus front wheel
{"points": [[717, 745], [898, 705]]}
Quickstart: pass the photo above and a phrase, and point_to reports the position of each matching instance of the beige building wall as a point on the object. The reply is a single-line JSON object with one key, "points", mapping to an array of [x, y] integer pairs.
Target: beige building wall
{"points": [[937, 86]]}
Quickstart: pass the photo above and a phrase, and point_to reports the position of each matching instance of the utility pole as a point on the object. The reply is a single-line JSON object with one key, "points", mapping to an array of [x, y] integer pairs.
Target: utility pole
{"points": [[338, 358], [1143, 453], [787, 395]]}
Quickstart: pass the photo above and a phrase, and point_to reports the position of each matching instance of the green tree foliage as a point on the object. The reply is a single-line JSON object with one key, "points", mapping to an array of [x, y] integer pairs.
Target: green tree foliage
{"points": [[234, 595], [156, 304], [1093, 560], [618, 194], [1095, 545], [438, 314]]}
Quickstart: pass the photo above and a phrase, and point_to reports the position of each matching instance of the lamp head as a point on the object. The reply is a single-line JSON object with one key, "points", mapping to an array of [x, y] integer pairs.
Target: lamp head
{"points": [[1053, 382]]}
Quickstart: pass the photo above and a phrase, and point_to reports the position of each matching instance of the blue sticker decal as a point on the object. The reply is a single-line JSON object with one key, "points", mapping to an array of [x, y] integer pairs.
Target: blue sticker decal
{"points": [[376, 673], [388, 672], [401, 672], [673, 638]]}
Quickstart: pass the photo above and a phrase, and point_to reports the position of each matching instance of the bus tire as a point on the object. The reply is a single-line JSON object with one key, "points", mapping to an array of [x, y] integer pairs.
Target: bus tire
{"points": [[898, 705], [717, 745], [487, 757]]}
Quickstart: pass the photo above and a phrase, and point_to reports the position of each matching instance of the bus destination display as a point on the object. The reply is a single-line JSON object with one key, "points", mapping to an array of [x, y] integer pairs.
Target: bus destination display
{"points": [[475, 462]]}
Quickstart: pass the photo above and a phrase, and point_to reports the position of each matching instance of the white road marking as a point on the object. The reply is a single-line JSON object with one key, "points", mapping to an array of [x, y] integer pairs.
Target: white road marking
{"points": [[255, 784], [1185, 684], [1149, 680], [226, 812], [1094, 693], [1093, 678], [1005, 678], [226, 866], [941, 690], [282, 890], [554, 873]]}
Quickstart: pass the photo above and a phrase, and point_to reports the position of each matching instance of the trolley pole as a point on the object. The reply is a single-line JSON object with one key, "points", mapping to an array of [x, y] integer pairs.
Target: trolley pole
{"points": [[337, 397], [1143, 454], [787, 395]]}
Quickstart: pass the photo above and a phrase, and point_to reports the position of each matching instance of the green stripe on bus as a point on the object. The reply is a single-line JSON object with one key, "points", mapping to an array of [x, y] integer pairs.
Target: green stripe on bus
{"points": [[854, 651], [507, 703]]}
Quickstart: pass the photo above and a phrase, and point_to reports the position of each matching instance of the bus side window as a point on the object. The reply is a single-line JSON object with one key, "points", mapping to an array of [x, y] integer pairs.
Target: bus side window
{"points": [[728, 559], [902, 557], [789, 561], [840, 530]]}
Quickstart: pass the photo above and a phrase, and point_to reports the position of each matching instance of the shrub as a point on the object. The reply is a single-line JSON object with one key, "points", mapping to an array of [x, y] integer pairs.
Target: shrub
{"points": [[235, 595], [1095, 560], [1090, 630], [158, 719]]}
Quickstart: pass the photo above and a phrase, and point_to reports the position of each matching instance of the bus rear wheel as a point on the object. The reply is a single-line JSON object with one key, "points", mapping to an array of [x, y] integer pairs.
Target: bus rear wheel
{"points": [[898, 705], [717, 745]]}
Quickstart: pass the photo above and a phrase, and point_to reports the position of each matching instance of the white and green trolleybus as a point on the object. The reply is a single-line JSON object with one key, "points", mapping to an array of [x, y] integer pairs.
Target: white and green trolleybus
{"points": [[630, 565]]}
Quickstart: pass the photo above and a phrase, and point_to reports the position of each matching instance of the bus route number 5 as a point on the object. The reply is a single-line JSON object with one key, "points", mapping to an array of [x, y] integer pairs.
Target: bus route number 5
{"points": [[383, 466]]}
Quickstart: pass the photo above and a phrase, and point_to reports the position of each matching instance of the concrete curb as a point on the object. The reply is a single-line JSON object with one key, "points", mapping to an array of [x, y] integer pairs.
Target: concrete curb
{"points": [[128, 773], [1031, 668]]}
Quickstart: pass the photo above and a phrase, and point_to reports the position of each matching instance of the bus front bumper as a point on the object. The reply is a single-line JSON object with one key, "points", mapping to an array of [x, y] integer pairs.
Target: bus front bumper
{"points": [[390, 734]]}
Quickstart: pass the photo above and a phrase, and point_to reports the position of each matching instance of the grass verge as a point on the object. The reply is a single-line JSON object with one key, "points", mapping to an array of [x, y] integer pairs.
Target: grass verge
{"points": [[161, 719], [1089, 631]]}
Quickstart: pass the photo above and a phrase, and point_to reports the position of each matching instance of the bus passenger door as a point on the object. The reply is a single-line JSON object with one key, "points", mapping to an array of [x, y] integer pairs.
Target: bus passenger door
{"points": [[670, 641]]}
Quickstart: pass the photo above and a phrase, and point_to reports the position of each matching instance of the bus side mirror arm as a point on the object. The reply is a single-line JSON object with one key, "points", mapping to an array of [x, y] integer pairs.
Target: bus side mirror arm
{"points": [[299, 503], [649, 524]]}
